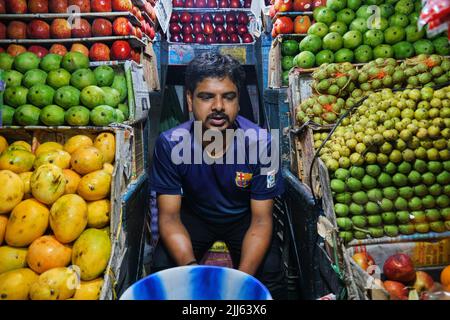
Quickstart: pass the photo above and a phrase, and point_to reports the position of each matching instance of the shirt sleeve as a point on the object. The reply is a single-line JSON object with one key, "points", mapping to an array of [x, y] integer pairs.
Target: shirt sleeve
{"points": [[164, 176], [267, 181]]}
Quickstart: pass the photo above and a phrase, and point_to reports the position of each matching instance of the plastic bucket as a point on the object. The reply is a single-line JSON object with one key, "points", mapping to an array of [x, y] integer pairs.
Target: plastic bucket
{"points": [[198, 283]]}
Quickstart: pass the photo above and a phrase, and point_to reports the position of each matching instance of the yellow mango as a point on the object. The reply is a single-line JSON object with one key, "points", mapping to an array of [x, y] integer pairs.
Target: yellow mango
{"points": [[12, 258], [3, 223], [68, 217], [59, 158], [28, 221], [98, 213], [91, 253], [17, 161], [95, 186], [26, 177], [23, 144], [46, 253], [86, 160], [15, 284], [76, 142], [48, 146], [108, 167], [89, 290], [106, 143], [55, 284], [48, 183], [11, 190], [72, 181], [3, 144]]}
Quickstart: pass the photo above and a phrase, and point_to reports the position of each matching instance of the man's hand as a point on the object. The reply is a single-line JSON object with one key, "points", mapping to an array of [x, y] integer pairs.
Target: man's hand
{"points": [[172, 231], [258, 236]]}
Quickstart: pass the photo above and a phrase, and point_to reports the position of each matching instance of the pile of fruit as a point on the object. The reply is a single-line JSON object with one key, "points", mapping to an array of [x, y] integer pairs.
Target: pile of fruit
{"points": [[55, 212], [57, 90], [323, 109], [390, 165], [402, 280], [61, 28], [206, 28], [335, 79], [221, 4], [425, 71], [346, 31]]}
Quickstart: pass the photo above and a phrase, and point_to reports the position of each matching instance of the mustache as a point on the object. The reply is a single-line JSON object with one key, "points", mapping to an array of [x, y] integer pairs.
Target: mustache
{"points": [[220, 115]]}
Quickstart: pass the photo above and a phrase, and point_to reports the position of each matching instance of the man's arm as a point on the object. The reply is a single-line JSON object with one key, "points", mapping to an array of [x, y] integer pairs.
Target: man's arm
{"points": [[172, 231], [259, 234]]}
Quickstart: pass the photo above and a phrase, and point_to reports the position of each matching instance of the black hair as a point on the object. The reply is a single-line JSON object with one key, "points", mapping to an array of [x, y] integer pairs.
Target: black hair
{"points": [[213, 65]]}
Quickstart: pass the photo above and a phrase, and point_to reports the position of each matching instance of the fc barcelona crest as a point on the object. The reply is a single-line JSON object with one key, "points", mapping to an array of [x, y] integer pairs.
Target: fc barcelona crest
{"points": [[243, 179]]}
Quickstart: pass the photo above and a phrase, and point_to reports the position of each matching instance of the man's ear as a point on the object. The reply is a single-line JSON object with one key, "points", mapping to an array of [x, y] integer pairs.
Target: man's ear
{"points": [[189, 98]]}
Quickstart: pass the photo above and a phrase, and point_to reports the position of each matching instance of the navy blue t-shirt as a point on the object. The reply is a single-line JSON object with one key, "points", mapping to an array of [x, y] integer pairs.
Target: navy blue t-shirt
{"points": [[216, 191]]}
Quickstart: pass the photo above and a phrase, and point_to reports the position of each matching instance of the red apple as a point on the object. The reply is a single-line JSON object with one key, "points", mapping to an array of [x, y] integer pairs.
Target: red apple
{"points": [[122, 26], [1, 49], [230, 18], [211, 39], [135, 56], [423, 282], [302, 5], [234, 38], [58, 49], [219, 19], [396, 290], [231, 29], [185, 17], [176, 38], [120, 50], [247, 38], [2, 31], [219, 29], [272, 12], [242, 29], [224, 4], [99, 52], [189, 4], [174, 28], [188, 38], [186, 29], [38, 6], [174, 17], [196, 18], [211, 3], [197, 29], [102, 28], [38, 29], [236, 3], [223, 38], [84, 5], [363, 259], [122, 5], [101, 6], [81, 48], [139, 33], [247, 3], [283, 5], [81, 29], [399, 267], [151, 32], [15, 49], [16, 6], [200, 38], [207, 17], [242, 18], [200, 3], [40, 51], [60, 29], [178, 4], [58, 6], [319, 3], [16, 30], [2, 8], [208, 28]]}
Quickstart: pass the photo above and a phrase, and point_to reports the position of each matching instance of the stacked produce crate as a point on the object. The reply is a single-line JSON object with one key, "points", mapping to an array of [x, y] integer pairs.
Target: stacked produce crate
{"points": [[73, 130], [356, 32]]}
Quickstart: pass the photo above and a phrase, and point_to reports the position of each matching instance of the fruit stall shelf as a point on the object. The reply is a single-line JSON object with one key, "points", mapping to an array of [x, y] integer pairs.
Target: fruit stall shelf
{"points": [[182, 54], [212, 10], [134, 41], [90, 15]]}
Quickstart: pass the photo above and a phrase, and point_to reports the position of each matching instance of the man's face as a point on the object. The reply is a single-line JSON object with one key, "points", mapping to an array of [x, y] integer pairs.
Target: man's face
{"points": [[215, 102]]}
